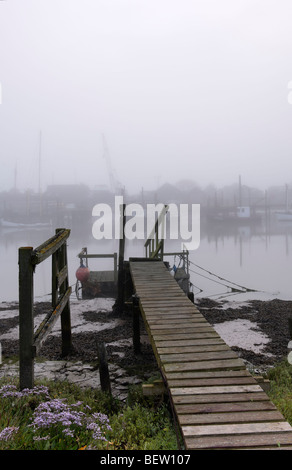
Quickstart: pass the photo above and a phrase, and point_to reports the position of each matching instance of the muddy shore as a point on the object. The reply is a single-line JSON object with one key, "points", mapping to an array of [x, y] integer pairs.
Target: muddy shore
{"points": [[237, 323], [267, 318]]}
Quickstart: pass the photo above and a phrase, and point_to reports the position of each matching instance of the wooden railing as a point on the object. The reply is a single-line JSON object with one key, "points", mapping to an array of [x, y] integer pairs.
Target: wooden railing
{"points": [[85, 255], [30, 342], [154, 245]]}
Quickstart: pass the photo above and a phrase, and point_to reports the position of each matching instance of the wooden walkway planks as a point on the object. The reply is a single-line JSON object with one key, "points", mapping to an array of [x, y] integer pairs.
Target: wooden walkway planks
{"points": [[218, 404]]}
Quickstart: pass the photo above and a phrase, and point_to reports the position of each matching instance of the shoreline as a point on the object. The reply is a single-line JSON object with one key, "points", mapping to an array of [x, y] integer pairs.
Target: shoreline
{"points": [[256, 330]]}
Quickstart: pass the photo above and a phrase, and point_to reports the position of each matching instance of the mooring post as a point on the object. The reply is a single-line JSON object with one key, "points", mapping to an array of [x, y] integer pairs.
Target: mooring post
{"points": [[290, 326], [191, 297], [136, 324], [26, 324], [103, 368], [120, 296]]}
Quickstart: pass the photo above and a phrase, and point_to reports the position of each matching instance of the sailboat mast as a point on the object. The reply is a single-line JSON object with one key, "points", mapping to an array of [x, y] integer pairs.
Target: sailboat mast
{"points": [[40, 158], [40, 155]]}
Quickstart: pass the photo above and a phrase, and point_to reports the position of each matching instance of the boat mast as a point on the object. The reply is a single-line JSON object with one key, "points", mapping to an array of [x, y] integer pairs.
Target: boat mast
{"points": [[40, 155]]}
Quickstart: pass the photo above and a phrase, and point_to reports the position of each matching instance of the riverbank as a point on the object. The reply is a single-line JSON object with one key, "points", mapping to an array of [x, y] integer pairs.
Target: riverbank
{"points": [[256, 330]]}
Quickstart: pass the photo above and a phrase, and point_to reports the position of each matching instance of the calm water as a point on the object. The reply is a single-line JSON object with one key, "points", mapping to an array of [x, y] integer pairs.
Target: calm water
{"points": [[254, 258]]}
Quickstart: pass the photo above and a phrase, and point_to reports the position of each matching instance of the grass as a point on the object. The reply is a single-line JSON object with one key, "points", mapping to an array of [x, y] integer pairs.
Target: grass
{"points": [[61, 416], [280, 391]]}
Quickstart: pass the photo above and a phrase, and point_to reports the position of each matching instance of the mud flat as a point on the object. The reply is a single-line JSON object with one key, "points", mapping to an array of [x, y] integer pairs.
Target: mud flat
{"points": [[257, 330]]}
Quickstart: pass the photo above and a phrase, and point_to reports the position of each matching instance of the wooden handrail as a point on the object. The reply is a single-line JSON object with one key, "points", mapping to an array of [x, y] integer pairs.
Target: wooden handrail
{"points": [[153, 245], [49, 247], [30, 342]]}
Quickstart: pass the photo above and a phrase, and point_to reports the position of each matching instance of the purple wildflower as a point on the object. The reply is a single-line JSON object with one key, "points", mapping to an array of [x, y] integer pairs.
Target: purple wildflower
{"points": [[38, 438], [57, 413], [68, 432], [11, 391], [7, 433]]}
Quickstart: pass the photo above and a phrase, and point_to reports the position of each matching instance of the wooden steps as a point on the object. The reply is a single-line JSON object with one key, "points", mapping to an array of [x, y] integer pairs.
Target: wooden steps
{"points": [[218, 403]]}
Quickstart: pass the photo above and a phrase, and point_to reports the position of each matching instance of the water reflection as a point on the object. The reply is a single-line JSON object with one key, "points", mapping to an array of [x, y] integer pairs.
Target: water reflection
{"points": [[255, 256]]}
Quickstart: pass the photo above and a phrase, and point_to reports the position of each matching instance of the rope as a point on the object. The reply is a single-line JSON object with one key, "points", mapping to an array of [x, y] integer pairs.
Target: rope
{"points": [[242, 288]]}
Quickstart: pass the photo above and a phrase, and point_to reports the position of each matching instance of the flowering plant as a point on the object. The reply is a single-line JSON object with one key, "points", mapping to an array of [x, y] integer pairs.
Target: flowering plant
{"points": [[54, 423], [58, 419]]}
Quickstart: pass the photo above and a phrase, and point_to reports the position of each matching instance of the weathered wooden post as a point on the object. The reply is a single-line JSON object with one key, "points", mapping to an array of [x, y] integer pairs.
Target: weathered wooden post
{"points": [[103, 368], [30, 342], [136, 324], [120, 297], [26, 323], [64, 285], [290, 326]]}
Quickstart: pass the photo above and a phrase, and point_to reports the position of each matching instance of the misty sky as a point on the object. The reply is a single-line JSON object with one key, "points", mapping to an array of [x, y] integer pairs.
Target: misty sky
{"points": [[193, 89]]}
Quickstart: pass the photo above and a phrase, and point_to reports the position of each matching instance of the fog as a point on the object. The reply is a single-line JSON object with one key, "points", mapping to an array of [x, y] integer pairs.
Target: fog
{"points": [[178, 88]]}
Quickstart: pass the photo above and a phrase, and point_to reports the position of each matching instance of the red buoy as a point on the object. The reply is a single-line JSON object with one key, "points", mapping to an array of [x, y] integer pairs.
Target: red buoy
{"points": [[82, 273]]}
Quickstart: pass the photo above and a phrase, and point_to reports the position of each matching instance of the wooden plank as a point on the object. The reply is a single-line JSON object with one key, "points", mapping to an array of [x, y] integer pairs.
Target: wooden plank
{"points": [[156, 290], [174, 336], [176, 319], [171, 315], [185, 330], [208, 374], [193, 349], [167, 297], [200, 356], [162, 292], [47, 324], [159, 304], [216, 390], [175, 323], [217, 403], [280, 447], [165, 307], [235, 417], [217, 341], [180, 325], [240, 441], [205, 365], [62, 276], [181, 301], [228, 407], [185, 382], [244, 428], [164, 312], [45, 250]]}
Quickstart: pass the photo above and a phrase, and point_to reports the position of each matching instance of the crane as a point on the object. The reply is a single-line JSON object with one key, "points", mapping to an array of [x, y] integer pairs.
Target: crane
{"points": [[115, 185]]}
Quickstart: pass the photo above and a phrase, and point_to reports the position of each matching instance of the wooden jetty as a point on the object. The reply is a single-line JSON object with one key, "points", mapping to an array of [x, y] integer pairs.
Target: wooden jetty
{"points": [[218, 404]]}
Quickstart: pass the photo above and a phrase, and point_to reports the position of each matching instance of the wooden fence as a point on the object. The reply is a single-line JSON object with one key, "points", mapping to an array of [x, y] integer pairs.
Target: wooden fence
{"points": [[30, 342]]}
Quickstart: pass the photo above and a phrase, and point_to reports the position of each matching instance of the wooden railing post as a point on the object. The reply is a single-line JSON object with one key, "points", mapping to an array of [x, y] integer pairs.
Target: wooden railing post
{"points": [[65, 315], [136, 324], [30, 342], [26, 324], [154, 245], [120, 296], [103, 369]]}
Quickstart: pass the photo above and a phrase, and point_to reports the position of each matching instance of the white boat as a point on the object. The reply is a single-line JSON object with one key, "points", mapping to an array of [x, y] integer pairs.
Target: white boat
{"points": [[17, 225], [284, 216]]}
